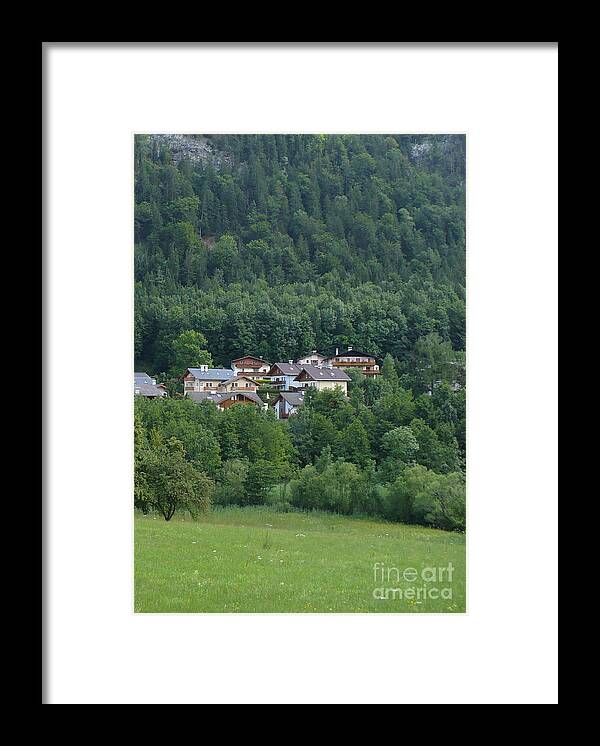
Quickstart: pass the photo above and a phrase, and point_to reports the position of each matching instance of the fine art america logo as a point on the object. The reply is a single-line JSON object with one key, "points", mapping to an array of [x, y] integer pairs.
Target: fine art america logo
{"points": [[411, 585]]}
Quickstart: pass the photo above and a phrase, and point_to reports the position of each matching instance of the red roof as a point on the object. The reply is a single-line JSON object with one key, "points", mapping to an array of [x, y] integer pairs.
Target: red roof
{"points": [[250, 357]]}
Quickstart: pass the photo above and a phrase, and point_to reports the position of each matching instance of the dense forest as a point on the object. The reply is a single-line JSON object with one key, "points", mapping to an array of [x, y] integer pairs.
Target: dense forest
{"points": [[300, 242], [279, 244]]}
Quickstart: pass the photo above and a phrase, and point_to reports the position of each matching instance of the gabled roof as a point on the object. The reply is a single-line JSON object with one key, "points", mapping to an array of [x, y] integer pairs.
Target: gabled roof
{"points": [[253, 357], [203, 396], [293, 398], [353, 353], [235, 379], [324, 374], [218, 398], [140, 378], [287, 369], [247, 394], [148, 389], [212, 374]]}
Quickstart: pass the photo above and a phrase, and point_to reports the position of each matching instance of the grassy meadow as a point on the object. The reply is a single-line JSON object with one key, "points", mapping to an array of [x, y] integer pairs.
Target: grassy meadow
{"points": [[259, 560]]}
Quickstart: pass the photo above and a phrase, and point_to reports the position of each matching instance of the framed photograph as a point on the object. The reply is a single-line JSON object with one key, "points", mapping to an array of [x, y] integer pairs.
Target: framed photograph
{"points": [[300, 388], [290, 282]]}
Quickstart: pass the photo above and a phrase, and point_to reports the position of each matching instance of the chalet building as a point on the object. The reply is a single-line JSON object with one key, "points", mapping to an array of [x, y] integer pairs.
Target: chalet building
{"points": [[145, 385], [205, 378], [322, 378], [287, 403], [225, 399], [314, 358], [237, 383], [250, 365], [284, 374], [220, 386], [356, 360]]}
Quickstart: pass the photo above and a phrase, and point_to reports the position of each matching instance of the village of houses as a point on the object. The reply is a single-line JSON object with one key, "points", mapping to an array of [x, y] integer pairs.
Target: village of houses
{"points": [[239, 383]]}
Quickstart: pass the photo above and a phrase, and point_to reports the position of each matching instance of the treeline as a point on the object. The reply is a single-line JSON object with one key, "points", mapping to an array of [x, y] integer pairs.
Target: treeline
{"points": [[381, 452], [300, 242]]}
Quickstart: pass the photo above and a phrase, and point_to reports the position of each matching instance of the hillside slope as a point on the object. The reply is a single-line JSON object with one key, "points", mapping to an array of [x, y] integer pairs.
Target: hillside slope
{"points": [[279, 244]]}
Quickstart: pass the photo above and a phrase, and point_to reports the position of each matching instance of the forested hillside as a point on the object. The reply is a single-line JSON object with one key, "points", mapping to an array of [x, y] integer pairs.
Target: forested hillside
{"points": [[279, 244]]}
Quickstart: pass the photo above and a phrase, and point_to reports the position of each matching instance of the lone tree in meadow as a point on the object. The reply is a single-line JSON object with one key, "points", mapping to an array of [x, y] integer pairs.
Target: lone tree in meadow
{"points": [[166, 482]]}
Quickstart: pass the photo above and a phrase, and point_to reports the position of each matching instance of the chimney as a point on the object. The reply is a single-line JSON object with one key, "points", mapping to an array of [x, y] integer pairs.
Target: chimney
{"points": [[337, 350], [291, 362], [314, 352], [204, 368]]}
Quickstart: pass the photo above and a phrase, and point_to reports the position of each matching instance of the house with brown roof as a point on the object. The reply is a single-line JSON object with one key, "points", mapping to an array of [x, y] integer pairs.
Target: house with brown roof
{"points": [[225, 399], [351, 358], [250, 365]]}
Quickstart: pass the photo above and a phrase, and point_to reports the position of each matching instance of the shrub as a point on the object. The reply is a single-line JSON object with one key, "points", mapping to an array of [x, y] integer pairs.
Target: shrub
{"points": [[337, 486], [443, 503], [262, 475], [231, 487], [422, 496]]}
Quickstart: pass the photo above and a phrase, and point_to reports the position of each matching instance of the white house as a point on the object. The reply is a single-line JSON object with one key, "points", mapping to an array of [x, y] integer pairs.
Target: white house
{"points": [[314, 358], [351, 358], [287, 403], [238, 383], [250, 365], [284, 374]]}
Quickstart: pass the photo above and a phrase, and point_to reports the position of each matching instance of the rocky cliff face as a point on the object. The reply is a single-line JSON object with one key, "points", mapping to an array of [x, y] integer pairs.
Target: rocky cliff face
{"points": [[423, 148], [194, 148], [419, 149]]}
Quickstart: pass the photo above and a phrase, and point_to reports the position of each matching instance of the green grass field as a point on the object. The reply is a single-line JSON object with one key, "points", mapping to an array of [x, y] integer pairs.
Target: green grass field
{"points": [[257, 560]]}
